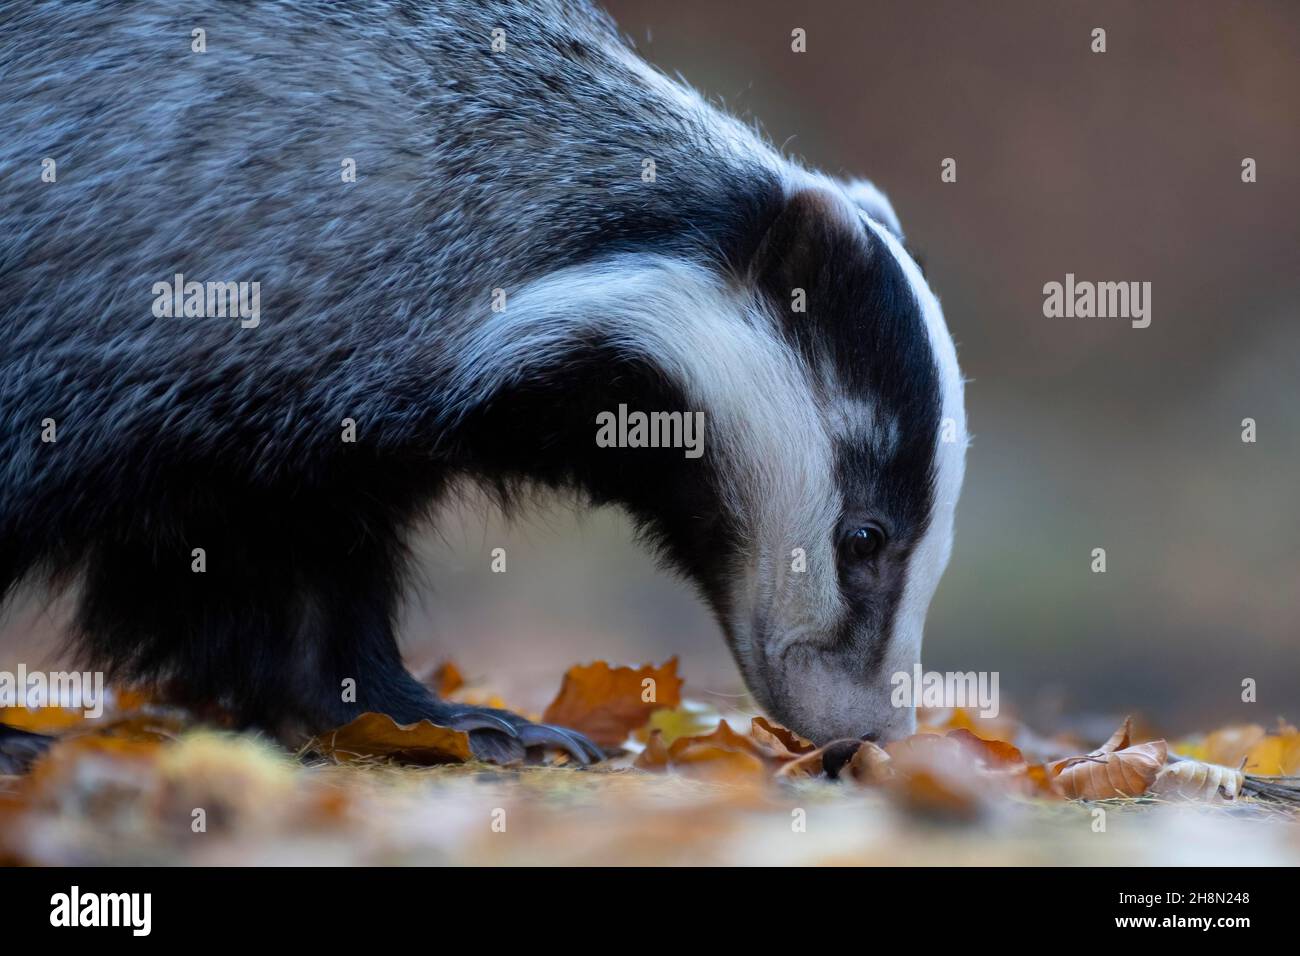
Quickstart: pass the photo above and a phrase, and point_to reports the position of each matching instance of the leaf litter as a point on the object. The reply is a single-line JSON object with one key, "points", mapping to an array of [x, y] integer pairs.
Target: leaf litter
{"points": [[151, 783]]}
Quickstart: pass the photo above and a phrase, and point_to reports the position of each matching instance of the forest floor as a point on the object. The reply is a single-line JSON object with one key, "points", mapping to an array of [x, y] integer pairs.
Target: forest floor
{"points": [[149, 784]]}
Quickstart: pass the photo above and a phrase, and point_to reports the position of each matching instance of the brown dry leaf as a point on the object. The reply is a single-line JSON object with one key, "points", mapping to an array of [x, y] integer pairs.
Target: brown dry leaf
{"points": [[1115, 770], [1194, 780], [608, 703], [378, 735], [780, 740], [1120, 739]]}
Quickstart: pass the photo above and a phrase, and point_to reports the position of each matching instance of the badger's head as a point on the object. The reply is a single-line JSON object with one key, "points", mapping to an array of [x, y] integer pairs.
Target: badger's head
{"points": [[839, 434]]}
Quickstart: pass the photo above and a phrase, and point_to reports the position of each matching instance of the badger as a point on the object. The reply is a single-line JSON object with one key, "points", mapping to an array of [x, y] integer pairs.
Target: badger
{"points": [[473, 228]]}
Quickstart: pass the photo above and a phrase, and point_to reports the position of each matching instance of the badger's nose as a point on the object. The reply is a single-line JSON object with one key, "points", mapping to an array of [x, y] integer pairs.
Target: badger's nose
{"points": [[837, 754]]}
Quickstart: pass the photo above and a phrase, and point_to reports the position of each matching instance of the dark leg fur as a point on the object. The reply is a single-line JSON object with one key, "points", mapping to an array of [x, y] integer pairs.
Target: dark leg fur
{"points": [[277, 652]]}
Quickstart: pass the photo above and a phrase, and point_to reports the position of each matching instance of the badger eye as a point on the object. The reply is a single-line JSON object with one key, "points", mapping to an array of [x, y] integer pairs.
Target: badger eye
{"points": [[863, 544]]}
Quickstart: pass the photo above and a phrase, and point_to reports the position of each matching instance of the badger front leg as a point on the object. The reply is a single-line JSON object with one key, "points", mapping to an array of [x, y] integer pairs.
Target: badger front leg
{"points": [[288, 624], [348, 629]]}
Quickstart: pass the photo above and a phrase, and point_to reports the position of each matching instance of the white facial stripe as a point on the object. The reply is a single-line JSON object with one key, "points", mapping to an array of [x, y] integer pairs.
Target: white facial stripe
{"points": [[931, 555], [724, 351]]}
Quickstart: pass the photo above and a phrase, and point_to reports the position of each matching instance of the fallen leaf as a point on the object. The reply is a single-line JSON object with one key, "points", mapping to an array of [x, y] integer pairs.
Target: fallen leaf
{"points": [[779, 739], [849, 759], [378, 735], [940, 720], [42, 720], [608, 703], [1275, 755], [938, 777], [991, 754], [718, 756], [871, 764], [446, 679], [1114, 770], [691, 719], [1194, 780], [1120, 739], [655, 756], [1227, 746]]}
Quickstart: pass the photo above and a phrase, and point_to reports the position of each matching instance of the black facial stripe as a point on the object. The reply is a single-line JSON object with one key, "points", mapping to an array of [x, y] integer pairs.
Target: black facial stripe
{"points": [[863, 331]]}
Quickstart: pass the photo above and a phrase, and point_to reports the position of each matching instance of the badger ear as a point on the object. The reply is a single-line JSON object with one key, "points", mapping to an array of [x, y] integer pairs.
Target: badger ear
{"points": [[864, 194], [809, 236]]}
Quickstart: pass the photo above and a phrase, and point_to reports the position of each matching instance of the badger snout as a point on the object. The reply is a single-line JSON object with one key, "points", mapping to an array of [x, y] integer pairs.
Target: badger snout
{"points": [[827, 695]]}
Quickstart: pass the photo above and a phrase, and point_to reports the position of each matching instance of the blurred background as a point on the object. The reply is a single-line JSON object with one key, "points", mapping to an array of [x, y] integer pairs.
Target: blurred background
{"points": [[1122, 166]]}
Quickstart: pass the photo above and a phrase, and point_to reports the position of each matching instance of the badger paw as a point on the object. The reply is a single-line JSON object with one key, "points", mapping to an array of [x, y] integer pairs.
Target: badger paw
{"points": [[501, 737]]}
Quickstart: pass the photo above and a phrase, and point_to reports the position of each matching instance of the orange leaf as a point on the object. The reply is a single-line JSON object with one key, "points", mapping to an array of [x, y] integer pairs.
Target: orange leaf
{"points": [[655, 756], [42, 720], [378, 735], [608, 703], [720, 755], [446, 679], [992, 754]]}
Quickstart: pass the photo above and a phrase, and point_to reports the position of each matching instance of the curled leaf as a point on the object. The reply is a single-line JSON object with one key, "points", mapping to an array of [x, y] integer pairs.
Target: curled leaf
{"points": [[1193, 780], [829, 761], [779, 739]]}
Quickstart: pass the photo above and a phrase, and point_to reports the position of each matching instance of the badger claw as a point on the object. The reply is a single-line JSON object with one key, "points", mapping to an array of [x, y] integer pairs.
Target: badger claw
{"points": [[471, 719], [20, 748], [501, 737]]}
